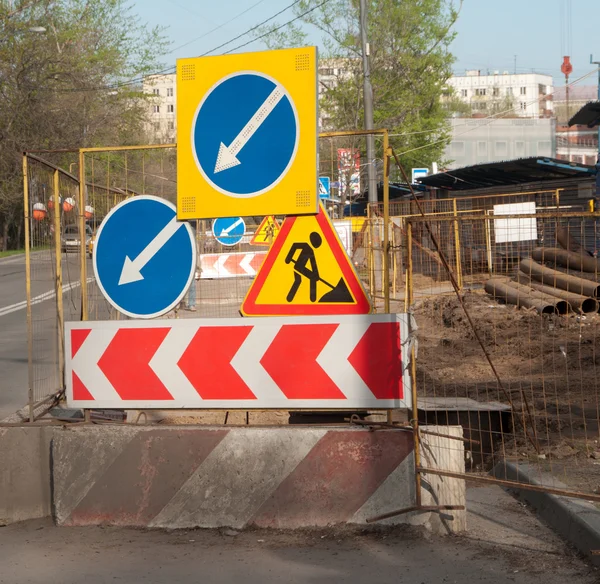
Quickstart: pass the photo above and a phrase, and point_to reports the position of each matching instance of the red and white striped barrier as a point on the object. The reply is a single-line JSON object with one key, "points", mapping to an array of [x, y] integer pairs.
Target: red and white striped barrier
{"points": [[285, 363], [178, 477], [230, 265]]}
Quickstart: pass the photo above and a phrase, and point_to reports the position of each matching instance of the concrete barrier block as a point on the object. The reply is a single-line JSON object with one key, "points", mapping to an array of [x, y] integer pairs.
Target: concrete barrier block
{"points": [[280, 477], [25, 473]]}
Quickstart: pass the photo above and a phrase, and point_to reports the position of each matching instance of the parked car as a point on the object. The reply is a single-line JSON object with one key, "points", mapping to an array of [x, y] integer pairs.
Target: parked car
{"points": [[90, 245], [70, 238]]}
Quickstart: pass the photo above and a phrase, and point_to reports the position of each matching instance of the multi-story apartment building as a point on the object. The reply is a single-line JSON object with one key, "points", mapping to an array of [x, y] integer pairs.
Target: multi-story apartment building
{"points": [[527, 95], [162, 117]]}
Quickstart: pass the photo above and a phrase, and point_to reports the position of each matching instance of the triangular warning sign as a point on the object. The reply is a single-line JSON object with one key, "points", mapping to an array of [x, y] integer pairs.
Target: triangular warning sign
{"points": [[266, 232], [306, 272]]}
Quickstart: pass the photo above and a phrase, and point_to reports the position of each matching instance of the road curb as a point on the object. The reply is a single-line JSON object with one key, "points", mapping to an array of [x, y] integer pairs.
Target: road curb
{"points": [[575, 520]]}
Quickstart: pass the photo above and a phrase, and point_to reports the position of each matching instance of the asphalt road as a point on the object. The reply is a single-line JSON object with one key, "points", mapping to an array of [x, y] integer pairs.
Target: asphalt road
{"points": [[506, 544], [13, 324]]}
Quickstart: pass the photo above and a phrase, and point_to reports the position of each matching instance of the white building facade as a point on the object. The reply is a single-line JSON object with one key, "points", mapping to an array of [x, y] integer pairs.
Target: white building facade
{"points": [[527, 95], [162, 118], [477, 141]]}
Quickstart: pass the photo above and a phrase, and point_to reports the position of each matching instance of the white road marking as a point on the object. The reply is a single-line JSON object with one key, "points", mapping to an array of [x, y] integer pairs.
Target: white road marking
{"points": [[41, 298]]}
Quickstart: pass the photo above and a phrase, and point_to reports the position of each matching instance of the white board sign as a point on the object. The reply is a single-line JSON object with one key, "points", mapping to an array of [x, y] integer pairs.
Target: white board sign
{"points": [[515, 229]]}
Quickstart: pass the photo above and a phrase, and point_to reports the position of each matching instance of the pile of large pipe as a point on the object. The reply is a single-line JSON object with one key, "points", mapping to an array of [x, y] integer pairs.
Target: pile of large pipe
{"points": [[577, 302], [523, 296], [553, 291]]}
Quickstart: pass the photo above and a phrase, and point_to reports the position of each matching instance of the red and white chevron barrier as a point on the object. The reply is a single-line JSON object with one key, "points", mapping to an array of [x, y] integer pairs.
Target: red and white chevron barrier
{"points": [[230, 265], [285, 362]]}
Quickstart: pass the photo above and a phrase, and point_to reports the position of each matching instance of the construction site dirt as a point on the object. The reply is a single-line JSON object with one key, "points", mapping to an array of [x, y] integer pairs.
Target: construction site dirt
{"points": [[547, 365]]}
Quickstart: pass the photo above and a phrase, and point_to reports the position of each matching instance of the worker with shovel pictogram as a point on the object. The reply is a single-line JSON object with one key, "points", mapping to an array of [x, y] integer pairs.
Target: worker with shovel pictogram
{"points": [[305, 265]]}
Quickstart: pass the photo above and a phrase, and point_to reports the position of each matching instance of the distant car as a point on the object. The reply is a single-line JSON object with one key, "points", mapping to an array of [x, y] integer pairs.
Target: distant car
{"points": [[70, 239]]}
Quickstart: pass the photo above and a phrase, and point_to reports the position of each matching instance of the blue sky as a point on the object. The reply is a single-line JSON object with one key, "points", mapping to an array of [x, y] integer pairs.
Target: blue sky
{"points": [[490, 32]]}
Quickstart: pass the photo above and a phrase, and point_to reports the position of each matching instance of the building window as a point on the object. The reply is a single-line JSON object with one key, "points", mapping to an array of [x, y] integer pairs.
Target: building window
{"points": [[523, 106], [496, 91], [169, 92], [509, 91], [479, 106], [156, 109], [482, 148], [458, 148], [501, 148], [326, 71], [156, 91], [480, 92], [543, 148], [523, 91], [464, 93], [542, 89], [156, 126], [170, 108], [519, 148], [171, 125]]}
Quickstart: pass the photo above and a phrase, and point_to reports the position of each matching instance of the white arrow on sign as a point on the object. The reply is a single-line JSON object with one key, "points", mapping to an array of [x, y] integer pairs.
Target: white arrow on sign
{"points": [[132, 268], [229, 229], [227, 157]]}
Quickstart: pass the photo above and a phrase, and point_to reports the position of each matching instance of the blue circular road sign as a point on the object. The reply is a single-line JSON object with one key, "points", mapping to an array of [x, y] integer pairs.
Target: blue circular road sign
{"points": [[229, 230], [245, 134], [144, 259]]}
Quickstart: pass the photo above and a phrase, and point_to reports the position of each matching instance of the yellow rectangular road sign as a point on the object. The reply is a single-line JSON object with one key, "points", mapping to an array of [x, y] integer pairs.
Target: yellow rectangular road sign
{"points": [[247, 134]]}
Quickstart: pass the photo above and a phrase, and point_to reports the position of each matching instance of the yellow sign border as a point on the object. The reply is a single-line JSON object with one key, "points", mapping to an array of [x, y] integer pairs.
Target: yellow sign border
{"points": [[296, 193]]}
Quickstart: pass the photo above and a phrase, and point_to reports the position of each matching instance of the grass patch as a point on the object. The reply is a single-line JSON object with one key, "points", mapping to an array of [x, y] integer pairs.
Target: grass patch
{"points": [[11, 252]]}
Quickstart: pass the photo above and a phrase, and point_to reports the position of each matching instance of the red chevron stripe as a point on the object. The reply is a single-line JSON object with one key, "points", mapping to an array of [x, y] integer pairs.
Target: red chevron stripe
{"points": [[377, 359], [80, 391], [126, 363], [232, 264], [207, 362], [78, 337], [257, 260], [291, 360]]}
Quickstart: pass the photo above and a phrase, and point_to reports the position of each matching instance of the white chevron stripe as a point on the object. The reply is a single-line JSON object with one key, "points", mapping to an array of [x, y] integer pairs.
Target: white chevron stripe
{"points": [[219, 266], [164, 363], [334, 360], [85, 365], [245, 264], [247, 363]]}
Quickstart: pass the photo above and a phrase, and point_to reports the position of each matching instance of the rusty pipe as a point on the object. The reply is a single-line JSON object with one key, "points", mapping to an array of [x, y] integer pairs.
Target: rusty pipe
{"points": [[501, 290], [559, 280], [567, 259], [578, 302], [566, 240], [561, 305]]}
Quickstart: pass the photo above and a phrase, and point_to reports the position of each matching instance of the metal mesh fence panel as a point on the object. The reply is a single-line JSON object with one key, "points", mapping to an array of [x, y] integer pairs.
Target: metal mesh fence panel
{"points": [[513, 358]]}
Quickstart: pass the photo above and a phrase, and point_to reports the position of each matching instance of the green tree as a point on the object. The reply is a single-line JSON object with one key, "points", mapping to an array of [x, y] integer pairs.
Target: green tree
{"points": [[410, 65], [70, 77]]}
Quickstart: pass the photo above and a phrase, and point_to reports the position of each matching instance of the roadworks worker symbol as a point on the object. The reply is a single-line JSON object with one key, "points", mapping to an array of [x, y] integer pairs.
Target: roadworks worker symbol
{"points": [[266, 232], [306, 272]]}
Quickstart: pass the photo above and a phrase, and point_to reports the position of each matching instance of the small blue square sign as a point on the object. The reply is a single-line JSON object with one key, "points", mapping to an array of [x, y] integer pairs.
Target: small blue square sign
{"points": [[324, 187]]}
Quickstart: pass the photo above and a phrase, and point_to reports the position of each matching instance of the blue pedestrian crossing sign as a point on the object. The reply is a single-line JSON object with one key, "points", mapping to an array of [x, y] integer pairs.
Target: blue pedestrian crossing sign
{"points": [[229, 230], [144, 258], [248, 134], [324, 187]]}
